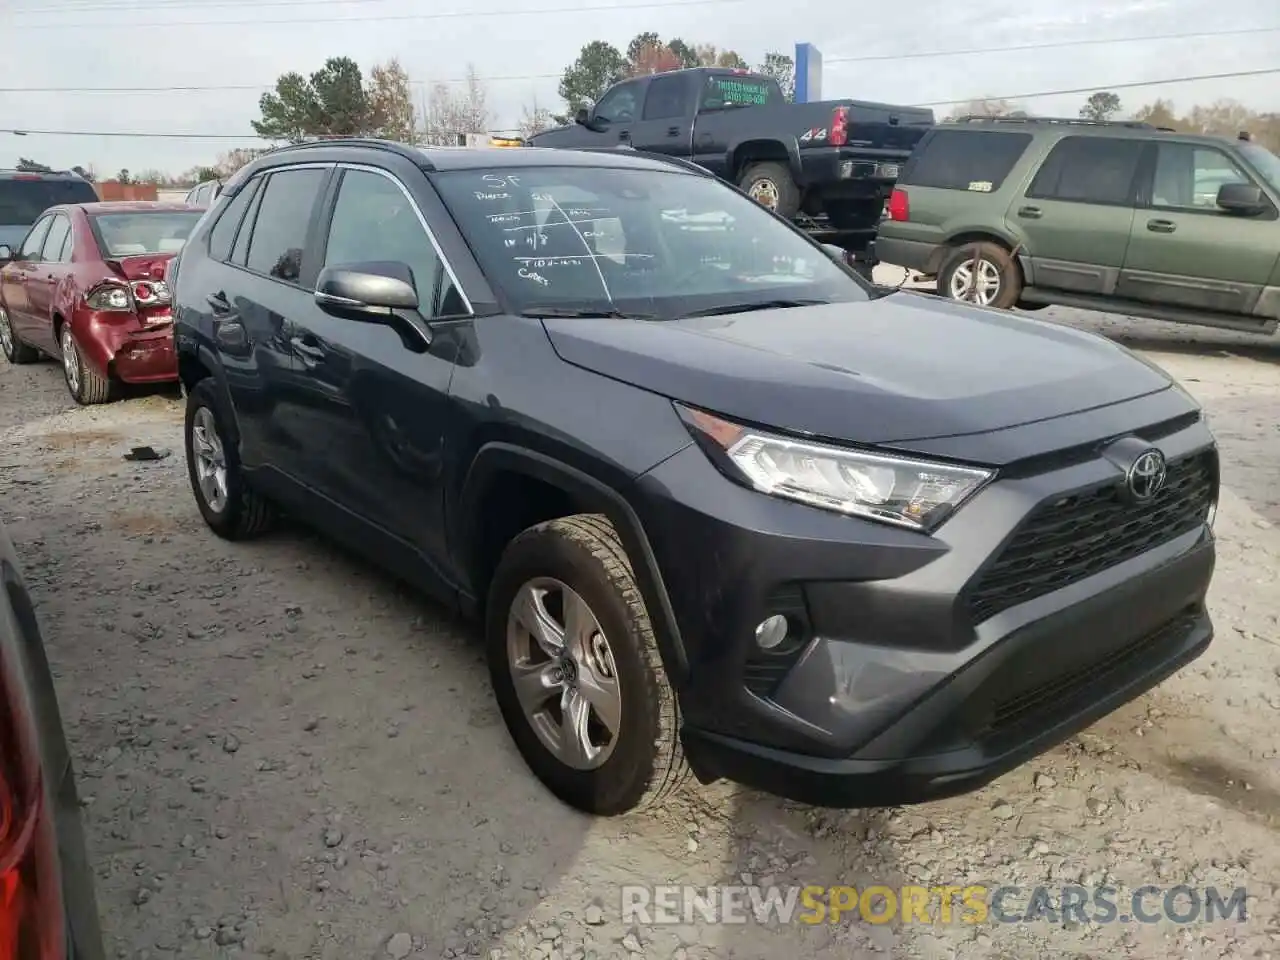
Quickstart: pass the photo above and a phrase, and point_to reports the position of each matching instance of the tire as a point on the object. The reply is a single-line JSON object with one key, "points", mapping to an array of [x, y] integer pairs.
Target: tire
{"points": [[86, 386], [14, 350], [994, 261], [642, 763], [771, 186], [240, 512]]}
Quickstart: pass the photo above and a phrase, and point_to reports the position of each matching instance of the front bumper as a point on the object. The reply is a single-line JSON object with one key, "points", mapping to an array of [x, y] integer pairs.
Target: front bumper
{"points": [[905, 686]]}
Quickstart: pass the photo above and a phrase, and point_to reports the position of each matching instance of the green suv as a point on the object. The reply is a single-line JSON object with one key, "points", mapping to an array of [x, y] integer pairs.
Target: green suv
{"points": [[1119, 217]]}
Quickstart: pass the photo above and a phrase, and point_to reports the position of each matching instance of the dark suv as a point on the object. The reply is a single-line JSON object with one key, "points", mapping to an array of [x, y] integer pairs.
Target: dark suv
{"points": [[1119, 216], [718, 500], [25, 195]]}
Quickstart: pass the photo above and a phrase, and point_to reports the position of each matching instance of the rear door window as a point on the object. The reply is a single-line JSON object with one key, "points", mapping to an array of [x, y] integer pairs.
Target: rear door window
{"points": [[973, 160], [56, 243], [223, 233], [280, 227], [1100, 170]]}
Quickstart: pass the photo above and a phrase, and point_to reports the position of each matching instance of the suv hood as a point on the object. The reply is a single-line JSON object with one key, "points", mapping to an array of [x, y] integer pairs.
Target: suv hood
{"points": [[901, 368]]}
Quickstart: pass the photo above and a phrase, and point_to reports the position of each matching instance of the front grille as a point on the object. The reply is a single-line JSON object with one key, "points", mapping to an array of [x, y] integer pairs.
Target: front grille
{"points": [[1013, 710], [1085, 533]]}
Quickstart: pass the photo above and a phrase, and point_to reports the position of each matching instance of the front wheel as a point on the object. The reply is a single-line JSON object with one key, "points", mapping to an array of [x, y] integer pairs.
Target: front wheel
{"points": [[15, 351], [576, 669], [983, 274]]}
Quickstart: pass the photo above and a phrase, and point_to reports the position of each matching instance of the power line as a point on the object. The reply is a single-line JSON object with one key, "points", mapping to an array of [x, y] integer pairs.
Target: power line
{"points": [[1129, 85], [915, 55], [127, 24]]}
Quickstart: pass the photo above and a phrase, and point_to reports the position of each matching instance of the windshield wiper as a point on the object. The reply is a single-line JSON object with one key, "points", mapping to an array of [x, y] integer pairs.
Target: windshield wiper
{"points": [[587, 313], [748, 307]]}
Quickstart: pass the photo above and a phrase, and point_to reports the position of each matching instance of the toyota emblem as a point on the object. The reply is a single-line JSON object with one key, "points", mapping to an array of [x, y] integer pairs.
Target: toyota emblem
{"points": [[1146, 475]]}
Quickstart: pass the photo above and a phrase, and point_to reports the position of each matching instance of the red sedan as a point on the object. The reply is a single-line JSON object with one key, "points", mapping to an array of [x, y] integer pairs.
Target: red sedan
{"points": [[87, 286]]}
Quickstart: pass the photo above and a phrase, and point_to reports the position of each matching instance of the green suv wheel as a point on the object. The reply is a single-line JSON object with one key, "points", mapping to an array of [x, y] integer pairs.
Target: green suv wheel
{"points": [[983, 274]]}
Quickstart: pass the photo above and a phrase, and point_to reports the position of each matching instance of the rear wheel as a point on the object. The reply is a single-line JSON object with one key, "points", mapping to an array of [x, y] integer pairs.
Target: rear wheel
{"points": [[85, 384], [983, 274], [15, 351], [232, 509], [771, 186]]}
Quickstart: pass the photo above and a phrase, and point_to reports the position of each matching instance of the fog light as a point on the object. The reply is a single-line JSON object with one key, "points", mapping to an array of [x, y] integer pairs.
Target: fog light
{"points": [[771, 631]]}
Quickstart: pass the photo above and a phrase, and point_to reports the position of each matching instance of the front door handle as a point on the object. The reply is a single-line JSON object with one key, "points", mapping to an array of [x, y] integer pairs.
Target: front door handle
{"points": [[673, 131], [1030, 213], [1161, 226], [624, 134], [219, 303]]}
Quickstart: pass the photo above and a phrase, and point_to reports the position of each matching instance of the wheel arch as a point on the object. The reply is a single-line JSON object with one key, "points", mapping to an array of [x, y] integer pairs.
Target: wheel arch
{"points": [[764, 150], [498, 464]]}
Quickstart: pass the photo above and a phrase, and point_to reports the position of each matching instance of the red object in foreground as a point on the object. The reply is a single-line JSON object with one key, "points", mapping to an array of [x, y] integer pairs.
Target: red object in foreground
{"points": [[32, 921], [88, 282]]}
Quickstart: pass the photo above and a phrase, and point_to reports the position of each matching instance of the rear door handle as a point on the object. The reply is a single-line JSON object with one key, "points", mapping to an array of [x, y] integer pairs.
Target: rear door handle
{"points": [[1161, 226], [219, 303], [1030, 213], [673, 131]]}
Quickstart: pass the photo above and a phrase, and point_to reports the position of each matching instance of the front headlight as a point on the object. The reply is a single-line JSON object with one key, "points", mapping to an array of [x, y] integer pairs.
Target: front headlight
{"points": [[918, 494]]}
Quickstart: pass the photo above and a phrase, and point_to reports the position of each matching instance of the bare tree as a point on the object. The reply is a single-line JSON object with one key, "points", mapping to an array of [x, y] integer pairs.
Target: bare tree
{"points": [[988, 108], [534, 119], [449, 112], [390, 98]]}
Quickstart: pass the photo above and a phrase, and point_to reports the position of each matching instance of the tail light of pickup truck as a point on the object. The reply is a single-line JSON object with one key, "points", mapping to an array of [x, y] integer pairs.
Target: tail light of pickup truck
{"points": [[899, 205], [839, 127]]}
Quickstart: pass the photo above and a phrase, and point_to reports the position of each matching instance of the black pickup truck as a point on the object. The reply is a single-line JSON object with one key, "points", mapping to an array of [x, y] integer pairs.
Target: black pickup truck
{"points": [[838, 157]]}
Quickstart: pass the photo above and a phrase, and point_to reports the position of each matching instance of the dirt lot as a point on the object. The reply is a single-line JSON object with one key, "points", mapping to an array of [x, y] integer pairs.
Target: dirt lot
{"points": [[284, 754]]}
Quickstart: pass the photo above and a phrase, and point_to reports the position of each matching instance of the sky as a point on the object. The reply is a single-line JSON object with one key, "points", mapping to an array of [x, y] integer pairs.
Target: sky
{"points": [[521, 46]]}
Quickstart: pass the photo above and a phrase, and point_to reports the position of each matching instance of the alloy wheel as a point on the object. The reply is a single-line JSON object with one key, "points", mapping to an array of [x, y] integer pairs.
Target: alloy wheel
{"points": [[6, 334], [70, 360], [981, 286], [564, 673], [210, 460]]}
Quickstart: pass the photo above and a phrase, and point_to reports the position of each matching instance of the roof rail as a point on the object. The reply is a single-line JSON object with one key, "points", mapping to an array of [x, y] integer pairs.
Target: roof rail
{"points": [[1072, 121], [627, 148], [391, 146]]}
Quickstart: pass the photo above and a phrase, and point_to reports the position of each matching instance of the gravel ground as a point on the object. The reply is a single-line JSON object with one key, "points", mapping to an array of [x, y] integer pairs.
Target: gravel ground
{"points": [[285, 754]]}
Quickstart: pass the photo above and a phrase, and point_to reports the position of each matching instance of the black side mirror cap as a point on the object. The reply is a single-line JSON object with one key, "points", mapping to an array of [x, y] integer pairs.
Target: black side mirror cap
{"points": [[1243, 198], [375, 290]]}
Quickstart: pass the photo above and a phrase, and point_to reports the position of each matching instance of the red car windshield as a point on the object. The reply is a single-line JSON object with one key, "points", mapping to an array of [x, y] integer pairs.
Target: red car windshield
{"points": [[142, 233]]}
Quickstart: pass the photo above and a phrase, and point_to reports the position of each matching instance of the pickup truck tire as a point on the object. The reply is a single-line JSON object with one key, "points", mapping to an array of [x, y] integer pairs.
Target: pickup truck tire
{"points": [[771, 185], [1000, 278], [571, 578]]}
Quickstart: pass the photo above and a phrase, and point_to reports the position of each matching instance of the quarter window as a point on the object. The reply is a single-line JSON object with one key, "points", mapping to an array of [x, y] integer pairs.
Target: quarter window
{"points": [[971, 160], [1089, 170], [224, 231], [280, 227]]}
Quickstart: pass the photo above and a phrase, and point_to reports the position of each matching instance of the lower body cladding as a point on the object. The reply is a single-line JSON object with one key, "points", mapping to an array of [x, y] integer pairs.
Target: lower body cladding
{"points": [[919, 667], [125, 348]]}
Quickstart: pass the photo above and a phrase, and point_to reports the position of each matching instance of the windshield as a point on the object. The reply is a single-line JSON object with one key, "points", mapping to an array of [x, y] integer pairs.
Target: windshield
{"points": [[648, 242], [1264, 161], [22, 201], [138, 234]]}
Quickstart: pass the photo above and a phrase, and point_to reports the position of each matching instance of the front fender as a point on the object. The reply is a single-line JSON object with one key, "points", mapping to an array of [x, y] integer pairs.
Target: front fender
{"points": [[501, 457]]}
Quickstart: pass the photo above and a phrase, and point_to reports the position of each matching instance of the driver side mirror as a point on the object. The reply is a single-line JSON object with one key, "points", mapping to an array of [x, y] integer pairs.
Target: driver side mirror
{"points": [[1246, 199], [366, 291], [6, 253], [583, 117]]}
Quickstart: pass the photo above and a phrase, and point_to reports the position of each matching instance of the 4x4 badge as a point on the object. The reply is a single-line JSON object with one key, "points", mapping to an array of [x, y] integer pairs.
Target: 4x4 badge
{"points": [[1146, 475]]}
